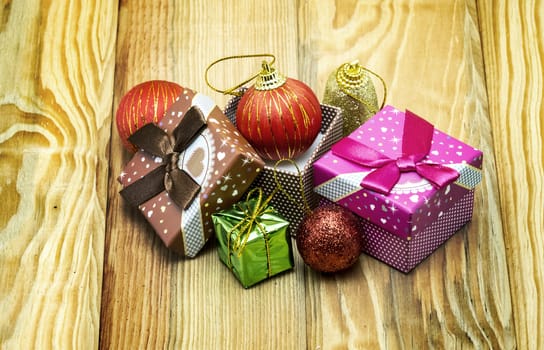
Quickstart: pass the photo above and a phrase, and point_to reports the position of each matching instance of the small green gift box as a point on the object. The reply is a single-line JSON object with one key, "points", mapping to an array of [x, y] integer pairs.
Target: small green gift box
{"points": [[253, 240]]}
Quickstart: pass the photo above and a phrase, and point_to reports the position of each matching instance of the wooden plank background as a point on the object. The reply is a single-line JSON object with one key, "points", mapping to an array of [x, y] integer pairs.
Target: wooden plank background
{"points": [[57, 64], [80, 269]]}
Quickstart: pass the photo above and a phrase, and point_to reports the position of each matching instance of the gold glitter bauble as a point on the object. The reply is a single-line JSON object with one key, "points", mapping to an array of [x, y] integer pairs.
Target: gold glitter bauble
{"points": [[350, 88]]}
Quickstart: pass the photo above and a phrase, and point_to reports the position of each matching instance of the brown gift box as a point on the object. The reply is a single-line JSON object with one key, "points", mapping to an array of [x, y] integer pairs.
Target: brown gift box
{"points": [[218, 159]]}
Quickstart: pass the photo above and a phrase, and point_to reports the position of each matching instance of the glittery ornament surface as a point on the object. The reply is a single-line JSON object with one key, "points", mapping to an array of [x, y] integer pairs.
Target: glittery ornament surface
{"points": [[350, 88], [330, 239]]}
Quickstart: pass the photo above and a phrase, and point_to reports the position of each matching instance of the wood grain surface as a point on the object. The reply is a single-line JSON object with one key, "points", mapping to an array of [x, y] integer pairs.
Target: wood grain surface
{"points": [[81, 269], [57, 69], [513, 47]]}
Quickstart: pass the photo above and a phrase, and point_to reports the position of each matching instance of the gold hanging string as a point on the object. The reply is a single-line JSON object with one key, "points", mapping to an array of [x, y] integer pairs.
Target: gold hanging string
{"points": [[232, 90], [243, 228], [346, 91], [250, 218], [305, 207]]}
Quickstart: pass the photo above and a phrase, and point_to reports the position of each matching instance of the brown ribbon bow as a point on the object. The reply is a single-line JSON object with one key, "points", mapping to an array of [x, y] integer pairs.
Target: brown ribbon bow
{"points": [[179, 185]]}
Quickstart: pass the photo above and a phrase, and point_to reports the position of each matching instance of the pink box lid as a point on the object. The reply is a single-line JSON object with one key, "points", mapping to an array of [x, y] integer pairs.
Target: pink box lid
{"points": [[413, 203]]}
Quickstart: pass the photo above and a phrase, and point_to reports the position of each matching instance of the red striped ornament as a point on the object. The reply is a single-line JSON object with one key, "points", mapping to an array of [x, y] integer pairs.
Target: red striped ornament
{"points": [[280, 117], [145, 103]]}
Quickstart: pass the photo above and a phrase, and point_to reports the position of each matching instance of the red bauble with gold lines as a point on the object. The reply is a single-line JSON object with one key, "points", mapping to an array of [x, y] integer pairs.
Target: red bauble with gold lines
{"points": [[144, 103], [280, 117]]}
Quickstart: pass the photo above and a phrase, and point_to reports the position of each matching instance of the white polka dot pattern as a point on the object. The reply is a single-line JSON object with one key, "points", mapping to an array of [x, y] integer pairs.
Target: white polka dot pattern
{"points": [[403, 254], [331, 132], [341, 186], [413, 204], [220, 160], [469, 176], [191, 223]]}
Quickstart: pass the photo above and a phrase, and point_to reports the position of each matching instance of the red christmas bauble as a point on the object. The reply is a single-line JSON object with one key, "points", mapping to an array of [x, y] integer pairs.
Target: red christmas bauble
{"points": [[144, 103], [330, 239], [280, 117]]}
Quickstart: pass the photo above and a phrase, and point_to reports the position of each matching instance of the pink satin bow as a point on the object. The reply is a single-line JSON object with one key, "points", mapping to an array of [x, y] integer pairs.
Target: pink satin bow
{"points": [[416, 144]]}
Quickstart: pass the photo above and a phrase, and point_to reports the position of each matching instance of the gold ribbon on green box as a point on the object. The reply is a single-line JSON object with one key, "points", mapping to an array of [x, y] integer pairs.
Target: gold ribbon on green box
{"points": [[253, 239]]}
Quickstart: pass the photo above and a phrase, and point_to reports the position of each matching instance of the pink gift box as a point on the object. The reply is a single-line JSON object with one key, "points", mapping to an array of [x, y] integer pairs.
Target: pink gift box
{"points": [[407, 224]]}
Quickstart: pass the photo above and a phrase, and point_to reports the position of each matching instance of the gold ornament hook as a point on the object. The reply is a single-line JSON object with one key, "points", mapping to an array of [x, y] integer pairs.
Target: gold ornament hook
{"points": [[269, 78], [232, 90], [305, 206], [350, 75]]}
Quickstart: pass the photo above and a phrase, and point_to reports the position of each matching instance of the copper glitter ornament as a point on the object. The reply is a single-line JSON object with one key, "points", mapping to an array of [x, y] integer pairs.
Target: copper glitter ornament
{"points": [[330, 239], [350, 88]]}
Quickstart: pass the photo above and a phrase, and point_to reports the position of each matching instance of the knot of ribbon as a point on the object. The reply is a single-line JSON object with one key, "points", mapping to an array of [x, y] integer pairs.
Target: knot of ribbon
{"points": [[416, 144], [179, 185], [242, 230]]}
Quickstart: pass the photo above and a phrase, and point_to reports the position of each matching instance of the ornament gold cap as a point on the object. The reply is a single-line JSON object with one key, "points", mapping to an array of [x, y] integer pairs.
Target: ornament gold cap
{"points": [[350, 75], [269, 78]]}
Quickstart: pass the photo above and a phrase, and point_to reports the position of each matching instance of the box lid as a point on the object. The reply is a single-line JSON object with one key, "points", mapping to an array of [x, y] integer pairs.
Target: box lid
{"points": [[218, 159], [413, 202]]}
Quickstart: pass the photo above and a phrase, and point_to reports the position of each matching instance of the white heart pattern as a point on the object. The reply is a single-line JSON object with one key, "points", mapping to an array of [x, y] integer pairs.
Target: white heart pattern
{"points": [[220, 155], [414, 198]]}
